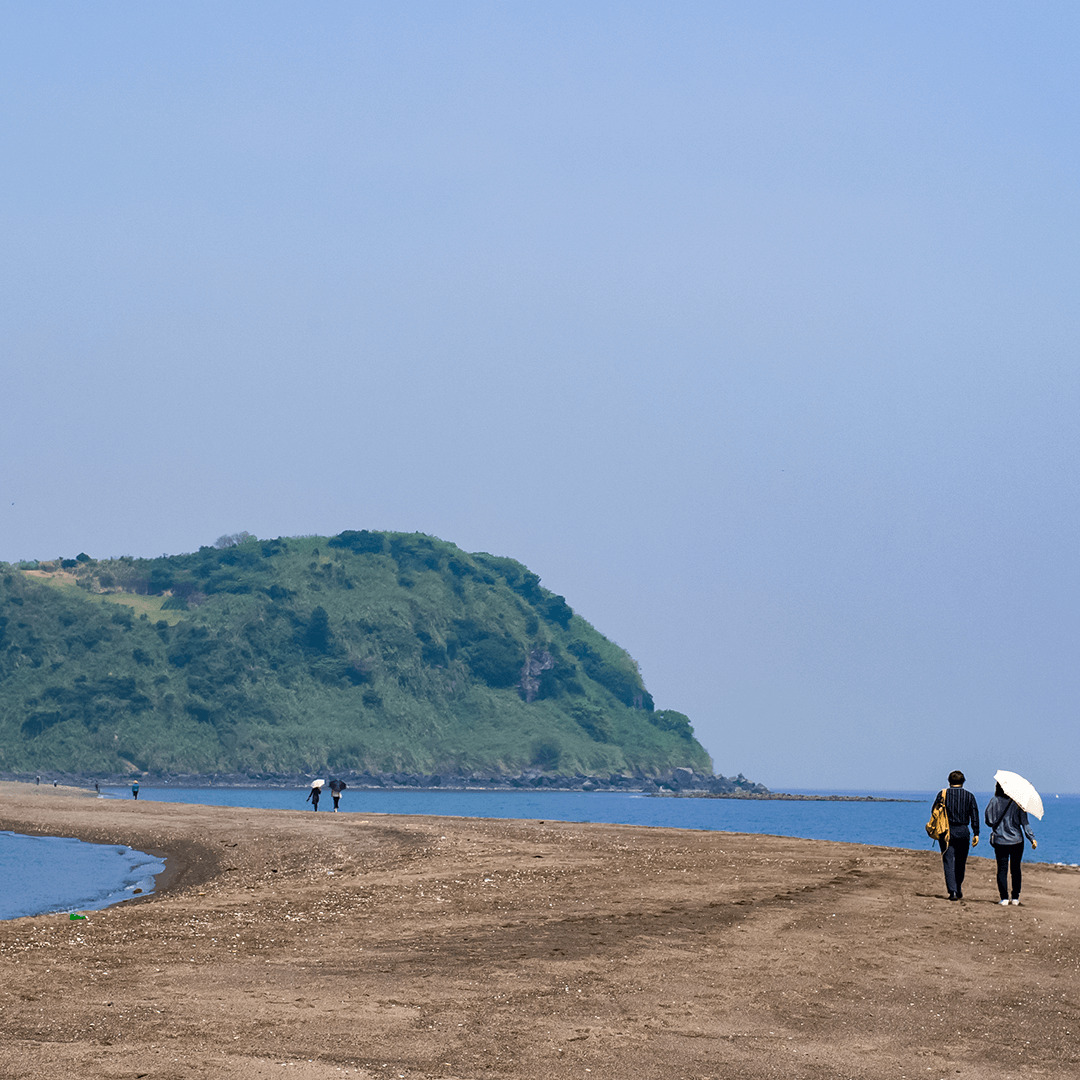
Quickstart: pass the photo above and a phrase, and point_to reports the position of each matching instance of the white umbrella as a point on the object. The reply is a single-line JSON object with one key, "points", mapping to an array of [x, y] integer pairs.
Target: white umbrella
{"points": [[1021, 792], [319, 783]]}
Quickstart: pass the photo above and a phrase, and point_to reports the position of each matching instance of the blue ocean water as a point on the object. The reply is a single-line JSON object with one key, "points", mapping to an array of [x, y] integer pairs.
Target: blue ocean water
{"points": [[896, 823], [40, 874]]}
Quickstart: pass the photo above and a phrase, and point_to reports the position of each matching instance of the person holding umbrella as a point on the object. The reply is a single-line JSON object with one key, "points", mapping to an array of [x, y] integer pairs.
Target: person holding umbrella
{"points": [[1007, 816], [314, 793], [336, 788]]}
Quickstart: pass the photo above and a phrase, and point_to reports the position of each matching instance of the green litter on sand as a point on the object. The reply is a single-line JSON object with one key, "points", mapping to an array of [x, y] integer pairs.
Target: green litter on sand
{"points": [[72, 915]]}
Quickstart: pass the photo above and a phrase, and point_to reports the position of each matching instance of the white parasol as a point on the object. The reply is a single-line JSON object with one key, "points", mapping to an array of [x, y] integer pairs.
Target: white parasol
{"points": [[1020, 791], [317, 783]]}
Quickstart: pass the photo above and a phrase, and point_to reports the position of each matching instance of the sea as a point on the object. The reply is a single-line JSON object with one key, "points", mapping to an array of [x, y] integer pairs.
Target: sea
{"points": [[40, 875], [52, 874]]}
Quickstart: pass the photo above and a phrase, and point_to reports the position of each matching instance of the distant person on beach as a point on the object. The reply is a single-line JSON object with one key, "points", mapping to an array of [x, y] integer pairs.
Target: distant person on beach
{"points": [[313, 797], [336, 788], [963, 814], [1008, 825], [135, 790]]}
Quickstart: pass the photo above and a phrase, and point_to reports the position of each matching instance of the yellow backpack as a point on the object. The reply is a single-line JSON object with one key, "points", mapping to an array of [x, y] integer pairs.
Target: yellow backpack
{"points": [[937, 828]]}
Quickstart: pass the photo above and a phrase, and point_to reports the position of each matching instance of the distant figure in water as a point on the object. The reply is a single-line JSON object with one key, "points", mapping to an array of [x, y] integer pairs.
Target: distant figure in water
{"points": [[313, 798], [1008, 826], [135, 790], [336, 788]]}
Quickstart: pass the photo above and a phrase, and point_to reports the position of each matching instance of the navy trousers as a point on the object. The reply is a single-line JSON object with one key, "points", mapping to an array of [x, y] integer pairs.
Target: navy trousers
{"points": [[954, 859], [1009, 857]]}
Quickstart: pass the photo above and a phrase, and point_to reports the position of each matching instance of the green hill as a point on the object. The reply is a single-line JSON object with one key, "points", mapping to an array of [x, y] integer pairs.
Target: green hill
{"points": [[366, 652]]}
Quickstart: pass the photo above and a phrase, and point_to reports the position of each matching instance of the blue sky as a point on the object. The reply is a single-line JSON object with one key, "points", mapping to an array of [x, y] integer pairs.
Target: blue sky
{"points": [[751, 328]]}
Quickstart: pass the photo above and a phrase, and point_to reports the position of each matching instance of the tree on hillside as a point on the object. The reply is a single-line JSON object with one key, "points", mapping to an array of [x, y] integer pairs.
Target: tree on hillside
{"points": [[317, 633], [232, 539]]}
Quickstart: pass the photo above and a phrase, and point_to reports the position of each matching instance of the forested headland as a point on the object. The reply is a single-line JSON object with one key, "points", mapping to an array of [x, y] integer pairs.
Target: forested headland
{"points": [[365, 652]]}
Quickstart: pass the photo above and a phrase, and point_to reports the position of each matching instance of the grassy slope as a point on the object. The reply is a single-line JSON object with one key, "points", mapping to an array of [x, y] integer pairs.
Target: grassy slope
{"points": [[150, 606], [368, 651]]}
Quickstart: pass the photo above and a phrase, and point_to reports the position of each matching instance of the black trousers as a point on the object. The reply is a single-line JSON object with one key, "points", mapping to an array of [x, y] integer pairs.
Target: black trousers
{"points": [[1009, 857], [954, 859]]}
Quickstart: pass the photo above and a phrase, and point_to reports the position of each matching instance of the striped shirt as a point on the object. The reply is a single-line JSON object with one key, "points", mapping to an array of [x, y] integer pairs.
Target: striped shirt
{"points": [[961, 808]]}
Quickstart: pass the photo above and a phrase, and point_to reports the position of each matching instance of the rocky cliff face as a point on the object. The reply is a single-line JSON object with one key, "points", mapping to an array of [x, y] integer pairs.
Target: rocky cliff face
{"points": [[537, 662]]}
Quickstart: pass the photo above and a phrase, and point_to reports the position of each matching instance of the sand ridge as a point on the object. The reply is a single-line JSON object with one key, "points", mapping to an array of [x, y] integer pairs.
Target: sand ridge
{"points": [[295, 944]]}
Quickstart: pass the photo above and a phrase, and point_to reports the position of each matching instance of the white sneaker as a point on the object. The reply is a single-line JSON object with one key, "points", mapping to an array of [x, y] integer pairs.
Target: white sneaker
{"points": [[1016, 903], [1004, 903]]}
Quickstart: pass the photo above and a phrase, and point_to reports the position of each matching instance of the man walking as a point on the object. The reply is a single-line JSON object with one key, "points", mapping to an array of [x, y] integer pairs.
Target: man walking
{"points": [[963, 814]]}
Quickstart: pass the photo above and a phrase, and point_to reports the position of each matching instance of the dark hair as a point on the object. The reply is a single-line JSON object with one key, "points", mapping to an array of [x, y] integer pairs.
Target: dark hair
{"points": [[999, 790], [956, 777]]}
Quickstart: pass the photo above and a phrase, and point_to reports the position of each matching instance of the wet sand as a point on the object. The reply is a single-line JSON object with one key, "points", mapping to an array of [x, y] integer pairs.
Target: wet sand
{"points": [[294, 944]]}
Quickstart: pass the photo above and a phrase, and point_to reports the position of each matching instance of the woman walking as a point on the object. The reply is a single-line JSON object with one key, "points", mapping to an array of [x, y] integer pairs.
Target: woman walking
{"points": [[1008, 826]]}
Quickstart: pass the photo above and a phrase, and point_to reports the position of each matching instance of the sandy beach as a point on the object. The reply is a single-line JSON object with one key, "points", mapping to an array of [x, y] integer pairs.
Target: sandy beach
{"points": [[294, 944]]}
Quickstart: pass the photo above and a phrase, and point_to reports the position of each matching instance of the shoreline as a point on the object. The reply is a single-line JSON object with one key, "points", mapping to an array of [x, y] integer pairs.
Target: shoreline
{"points": [[374, 945], [782, 796], [72, 874], [299, 783], [878, 840], [680, 780]]}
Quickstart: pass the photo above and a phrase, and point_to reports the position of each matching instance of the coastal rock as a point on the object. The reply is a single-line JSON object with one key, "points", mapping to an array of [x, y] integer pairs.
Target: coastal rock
{"points": [[683, 779]]}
